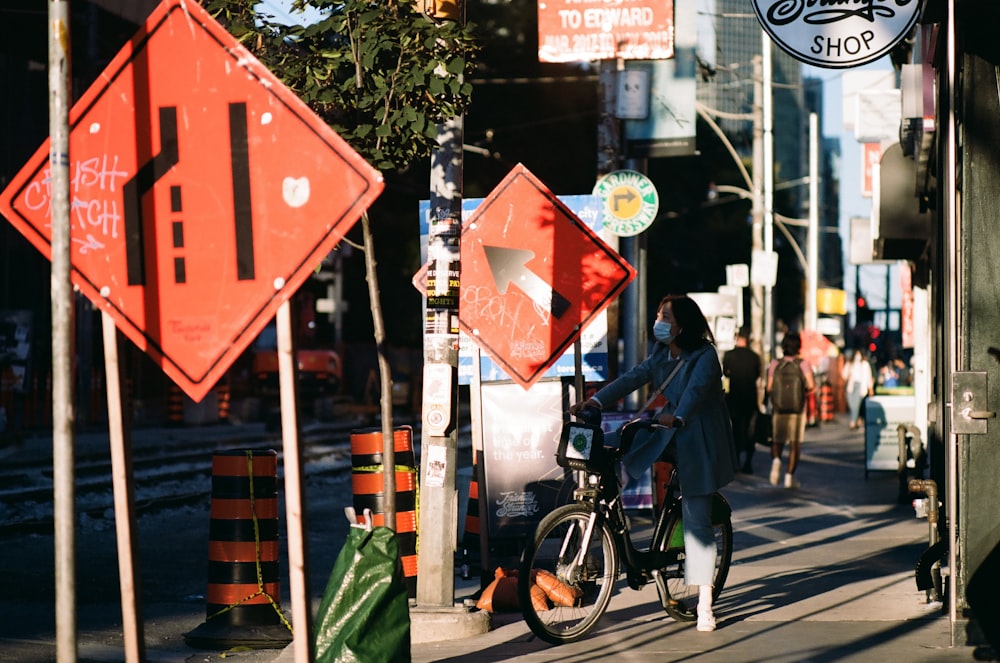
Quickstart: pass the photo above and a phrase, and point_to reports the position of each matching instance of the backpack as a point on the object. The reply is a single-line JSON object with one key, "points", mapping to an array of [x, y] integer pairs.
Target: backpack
{"points": [[788, 388]]}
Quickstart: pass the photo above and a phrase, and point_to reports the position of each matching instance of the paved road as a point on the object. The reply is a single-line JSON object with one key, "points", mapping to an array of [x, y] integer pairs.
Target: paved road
{"points": [[821, 573]]}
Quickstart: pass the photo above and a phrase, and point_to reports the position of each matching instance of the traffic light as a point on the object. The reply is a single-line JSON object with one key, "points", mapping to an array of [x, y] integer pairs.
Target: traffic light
{"points": [[873, 335], [864, 314]]}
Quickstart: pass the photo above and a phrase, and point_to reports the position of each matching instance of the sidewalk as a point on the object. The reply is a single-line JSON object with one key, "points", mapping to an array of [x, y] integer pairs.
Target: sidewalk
{"points": [[820, 573]]}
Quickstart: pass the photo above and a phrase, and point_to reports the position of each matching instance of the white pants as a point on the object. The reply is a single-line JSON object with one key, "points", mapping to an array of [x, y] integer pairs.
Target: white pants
{"points": [[699, 540]]}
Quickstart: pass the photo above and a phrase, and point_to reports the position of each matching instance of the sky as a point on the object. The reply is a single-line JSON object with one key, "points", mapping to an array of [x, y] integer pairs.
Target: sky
{"points": [[282, 11], [852, 203]]}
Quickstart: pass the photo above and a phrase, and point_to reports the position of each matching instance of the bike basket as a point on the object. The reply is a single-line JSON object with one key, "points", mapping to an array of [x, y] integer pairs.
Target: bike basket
{"points": [[581, 446]]}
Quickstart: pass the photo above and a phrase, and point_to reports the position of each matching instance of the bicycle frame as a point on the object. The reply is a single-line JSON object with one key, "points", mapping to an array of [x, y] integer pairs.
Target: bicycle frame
{"points": [[603, 495], [569, 569]]}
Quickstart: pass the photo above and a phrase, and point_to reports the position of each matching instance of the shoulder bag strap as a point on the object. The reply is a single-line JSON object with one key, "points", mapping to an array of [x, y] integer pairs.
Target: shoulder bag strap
{"points": [[659, 390]]}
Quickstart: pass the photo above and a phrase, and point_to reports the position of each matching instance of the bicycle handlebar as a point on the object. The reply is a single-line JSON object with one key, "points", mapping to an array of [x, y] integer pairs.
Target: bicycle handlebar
{"points": [[629, 430], [591, 415]]}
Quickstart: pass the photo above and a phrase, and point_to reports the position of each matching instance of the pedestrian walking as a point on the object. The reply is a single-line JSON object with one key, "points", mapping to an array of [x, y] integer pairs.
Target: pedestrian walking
{"points": [[697, 424], [859, 384], [742, 366], [790, 380]]}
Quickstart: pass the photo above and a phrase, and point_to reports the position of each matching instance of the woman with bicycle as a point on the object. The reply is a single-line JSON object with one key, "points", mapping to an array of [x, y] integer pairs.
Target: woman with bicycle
{"points": [[685, 366]]}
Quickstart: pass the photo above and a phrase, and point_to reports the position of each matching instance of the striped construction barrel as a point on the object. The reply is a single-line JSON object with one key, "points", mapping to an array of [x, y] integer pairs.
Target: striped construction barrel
{"points": [[243, 601], [826, 402], [368, 486], [175, 405]]}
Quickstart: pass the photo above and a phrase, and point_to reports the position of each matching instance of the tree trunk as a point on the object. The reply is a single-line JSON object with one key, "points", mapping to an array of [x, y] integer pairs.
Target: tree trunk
{"points": [[385, 378]]}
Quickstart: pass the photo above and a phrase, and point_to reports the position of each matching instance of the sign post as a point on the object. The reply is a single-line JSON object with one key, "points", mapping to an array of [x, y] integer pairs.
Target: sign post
{"points": [[63, 444]]}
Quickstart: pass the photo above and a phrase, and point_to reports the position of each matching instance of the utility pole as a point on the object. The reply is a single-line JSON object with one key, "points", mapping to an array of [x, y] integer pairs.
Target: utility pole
{"points": [[768, 203], [757, 301], [812, 242], [608, 131], [439, 433], [608, 157]]}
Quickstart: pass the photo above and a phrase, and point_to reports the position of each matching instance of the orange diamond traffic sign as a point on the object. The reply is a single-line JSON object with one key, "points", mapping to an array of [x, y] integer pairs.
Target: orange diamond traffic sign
{"points": [[533, 276], [203, 192]]}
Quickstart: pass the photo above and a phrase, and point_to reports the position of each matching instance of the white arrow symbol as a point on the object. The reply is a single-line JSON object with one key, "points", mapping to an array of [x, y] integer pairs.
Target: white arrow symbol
{"points": [[508, 266]]}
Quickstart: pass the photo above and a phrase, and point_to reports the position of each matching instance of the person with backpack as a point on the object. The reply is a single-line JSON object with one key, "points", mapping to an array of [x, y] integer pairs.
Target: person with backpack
{"points": [[789, 381]]}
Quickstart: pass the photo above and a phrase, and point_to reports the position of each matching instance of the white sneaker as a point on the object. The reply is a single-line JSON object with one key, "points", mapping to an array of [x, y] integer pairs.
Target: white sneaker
{"points": [[791, 481], [706, 620], [775, 471]]}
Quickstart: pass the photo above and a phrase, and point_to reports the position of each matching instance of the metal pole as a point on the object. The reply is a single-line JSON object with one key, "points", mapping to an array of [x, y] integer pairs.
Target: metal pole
{"points": [[768, 187], [888, 293], [812, 245], [634, 301], [608, 134], [63, 457], [439, 433], [953, 261], [608, 155], [476, 420], [757, 301]]}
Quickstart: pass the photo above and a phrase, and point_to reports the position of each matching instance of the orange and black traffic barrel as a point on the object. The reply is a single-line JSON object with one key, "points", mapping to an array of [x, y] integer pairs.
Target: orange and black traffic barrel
{"points": [[242, 605], [369, 490], [175, 404], [826, 402], [224, 392]]}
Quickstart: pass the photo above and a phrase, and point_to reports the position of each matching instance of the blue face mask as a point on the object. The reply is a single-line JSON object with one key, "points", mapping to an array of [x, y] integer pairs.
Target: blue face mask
{"points": [[662, 332]]}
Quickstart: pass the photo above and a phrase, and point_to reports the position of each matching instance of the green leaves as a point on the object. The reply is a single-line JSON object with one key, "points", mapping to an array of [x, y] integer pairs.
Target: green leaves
{"points": [[380, 73]]}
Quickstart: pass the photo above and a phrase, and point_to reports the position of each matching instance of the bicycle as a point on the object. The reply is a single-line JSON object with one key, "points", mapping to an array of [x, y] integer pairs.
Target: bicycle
{"points": [[569, 570]]}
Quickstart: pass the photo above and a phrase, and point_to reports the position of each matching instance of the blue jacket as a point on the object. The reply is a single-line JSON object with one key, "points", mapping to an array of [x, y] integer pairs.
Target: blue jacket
{"points": [[706, 454]]}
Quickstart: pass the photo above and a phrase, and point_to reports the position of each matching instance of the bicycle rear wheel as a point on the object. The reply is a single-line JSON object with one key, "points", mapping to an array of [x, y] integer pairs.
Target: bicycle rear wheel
{"points": [[567, 577], [680, 600]]}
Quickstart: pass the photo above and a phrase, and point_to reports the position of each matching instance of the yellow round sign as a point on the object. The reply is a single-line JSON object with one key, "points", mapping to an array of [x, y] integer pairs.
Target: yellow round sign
{"points": [[630, 202]]}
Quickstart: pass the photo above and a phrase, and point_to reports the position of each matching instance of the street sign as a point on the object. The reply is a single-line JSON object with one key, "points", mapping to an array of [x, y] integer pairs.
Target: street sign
{"points": [[584, 30], [203, 192], [533, 276], [630, 202], [593, 339]]}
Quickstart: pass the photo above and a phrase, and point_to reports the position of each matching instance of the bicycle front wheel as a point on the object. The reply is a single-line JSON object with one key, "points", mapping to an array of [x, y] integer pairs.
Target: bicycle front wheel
{"points": [[567, 574], [680, 600]]}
